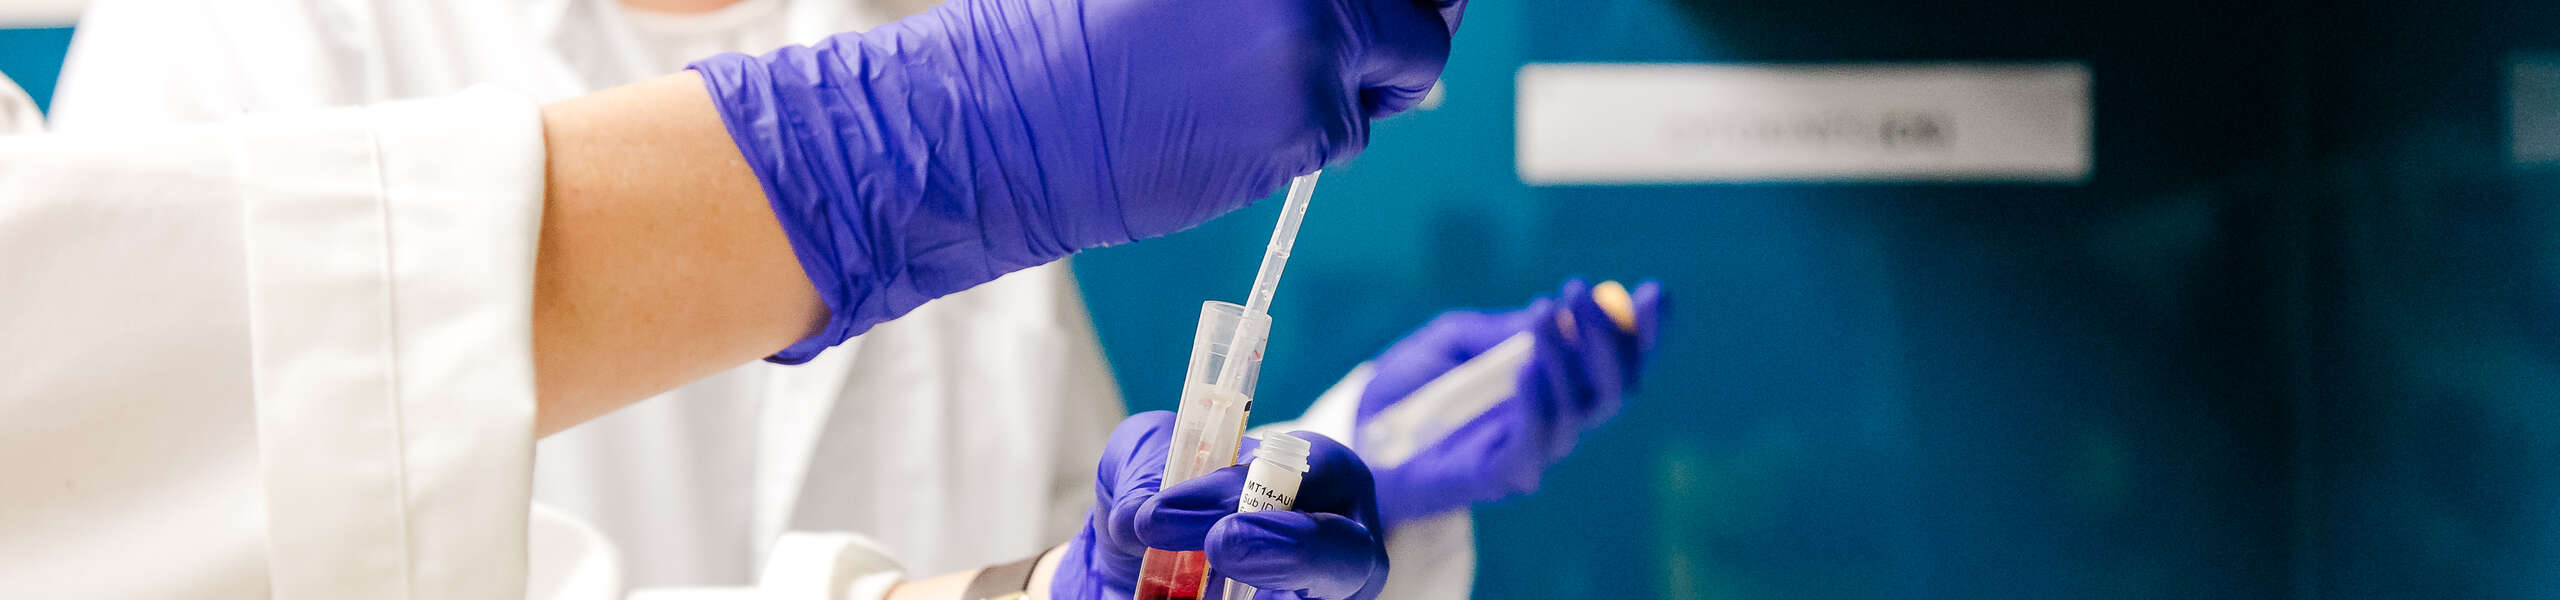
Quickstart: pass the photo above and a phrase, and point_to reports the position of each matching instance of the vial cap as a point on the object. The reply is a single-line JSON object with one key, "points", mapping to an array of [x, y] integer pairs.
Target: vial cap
{"points": [[1285, 449]]}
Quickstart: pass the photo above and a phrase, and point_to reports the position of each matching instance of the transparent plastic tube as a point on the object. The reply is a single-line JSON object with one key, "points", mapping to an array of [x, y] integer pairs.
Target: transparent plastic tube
{"points": [[1284, 236], [1217, 394], [1226, 359]]}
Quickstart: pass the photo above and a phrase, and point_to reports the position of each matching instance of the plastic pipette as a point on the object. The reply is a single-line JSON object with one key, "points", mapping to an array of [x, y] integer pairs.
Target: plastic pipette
{"points": [[1275, 258], [1248, 341], [1210, 422]]}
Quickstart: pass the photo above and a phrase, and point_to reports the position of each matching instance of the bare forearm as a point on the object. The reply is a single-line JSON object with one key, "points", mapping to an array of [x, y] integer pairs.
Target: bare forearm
{"points": [[660, 262]]}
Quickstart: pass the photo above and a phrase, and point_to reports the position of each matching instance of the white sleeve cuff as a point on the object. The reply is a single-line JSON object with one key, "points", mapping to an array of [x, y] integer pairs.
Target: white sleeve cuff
{"points": [[806, 565], [390, 260], [18, 113], [827, 566], [1334, 414]]}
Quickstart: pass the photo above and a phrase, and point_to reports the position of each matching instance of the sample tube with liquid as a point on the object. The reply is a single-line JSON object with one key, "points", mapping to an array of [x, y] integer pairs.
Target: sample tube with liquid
{"points": [[1279, 466], [1206, 430]]}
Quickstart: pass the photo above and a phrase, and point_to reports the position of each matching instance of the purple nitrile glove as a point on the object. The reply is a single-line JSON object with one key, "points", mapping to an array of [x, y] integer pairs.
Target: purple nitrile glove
{"points": [[1324, 548], [1570, 384], [940, 151]]}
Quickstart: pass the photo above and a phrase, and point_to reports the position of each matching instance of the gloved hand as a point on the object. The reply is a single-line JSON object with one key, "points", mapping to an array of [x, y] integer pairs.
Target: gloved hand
{"points": [[1324, 549], [1571, 383], [985, 136]]}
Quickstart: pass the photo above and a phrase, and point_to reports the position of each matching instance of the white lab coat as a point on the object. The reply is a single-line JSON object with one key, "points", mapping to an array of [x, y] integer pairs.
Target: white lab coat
{"points": [[18, 114], [962, 434], [290, 357], [285, 357]]}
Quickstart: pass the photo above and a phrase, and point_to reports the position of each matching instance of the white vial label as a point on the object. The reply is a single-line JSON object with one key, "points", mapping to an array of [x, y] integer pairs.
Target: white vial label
{"points": [[1268, 486]]}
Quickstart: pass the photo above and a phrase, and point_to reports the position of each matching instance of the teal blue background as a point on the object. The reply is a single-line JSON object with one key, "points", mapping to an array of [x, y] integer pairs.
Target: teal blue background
{"points": [[2299, 336], [32, 57], [2296, 338], [1865, 391]]}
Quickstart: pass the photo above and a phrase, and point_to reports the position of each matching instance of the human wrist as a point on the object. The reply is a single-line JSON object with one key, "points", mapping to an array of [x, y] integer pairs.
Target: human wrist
{"points": [[806, 123], [1083, 569], [903, 164], [1045, 573]]}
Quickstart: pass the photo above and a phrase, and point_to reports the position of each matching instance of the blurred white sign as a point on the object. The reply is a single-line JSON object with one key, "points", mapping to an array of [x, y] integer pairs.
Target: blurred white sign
{"points": [[40, 13], [1597, 123], [2533, 108]]}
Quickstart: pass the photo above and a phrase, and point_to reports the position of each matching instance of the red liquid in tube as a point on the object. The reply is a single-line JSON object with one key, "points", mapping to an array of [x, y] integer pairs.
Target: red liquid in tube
{"points": [[1186, 580], [1216, 397]]}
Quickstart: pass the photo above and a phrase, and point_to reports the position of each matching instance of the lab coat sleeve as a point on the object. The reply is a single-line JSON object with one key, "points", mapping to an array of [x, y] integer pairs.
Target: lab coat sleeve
{"points": [[806, 565], [128, 463], [390, 319], [17, 112], [287, 357], [1094, 409], [138, 64]]}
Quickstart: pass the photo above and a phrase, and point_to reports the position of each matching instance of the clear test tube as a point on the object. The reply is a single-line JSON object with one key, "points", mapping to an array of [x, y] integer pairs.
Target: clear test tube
{"points": [[1206, 430]]}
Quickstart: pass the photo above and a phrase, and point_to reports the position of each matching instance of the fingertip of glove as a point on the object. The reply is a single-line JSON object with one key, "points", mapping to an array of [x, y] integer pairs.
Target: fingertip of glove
{"points": [[1222, 484], [1129, 454], [1257, 535], [1539, 316], [1326, 555], [1408, 50], [1451, 12], [1651, 304], [1575, 289], [1382, 102], [1337, 480], [1143, 423], [1132, 440], [1122, 519], [1331, 459], [1180, 517]]}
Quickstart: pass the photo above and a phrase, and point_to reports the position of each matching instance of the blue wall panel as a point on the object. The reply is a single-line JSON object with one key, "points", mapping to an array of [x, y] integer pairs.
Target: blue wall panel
{"points": [[2439, 469], [1947, 390], [33, 58]]}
